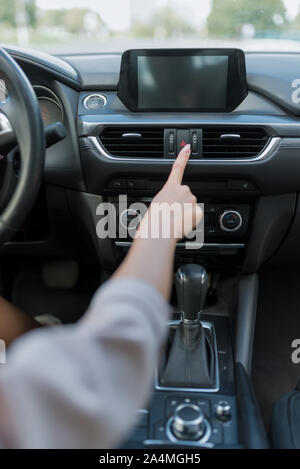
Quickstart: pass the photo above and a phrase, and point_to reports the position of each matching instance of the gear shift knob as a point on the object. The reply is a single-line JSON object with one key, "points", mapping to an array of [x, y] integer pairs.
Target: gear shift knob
{"points": [[191, 286]]}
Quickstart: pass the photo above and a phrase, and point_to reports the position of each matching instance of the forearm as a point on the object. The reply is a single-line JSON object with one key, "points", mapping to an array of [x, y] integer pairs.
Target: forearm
{"points": [[79, 386], [152, 253], [152, 261]]}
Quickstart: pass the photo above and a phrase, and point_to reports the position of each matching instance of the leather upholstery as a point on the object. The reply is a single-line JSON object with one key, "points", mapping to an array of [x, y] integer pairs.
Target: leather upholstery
{"points": [[285, 430]]}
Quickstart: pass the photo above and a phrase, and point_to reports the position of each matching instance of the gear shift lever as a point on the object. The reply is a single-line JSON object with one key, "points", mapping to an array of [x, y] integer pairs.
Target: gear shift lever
{"points": [[190, 360], [191, 286]]}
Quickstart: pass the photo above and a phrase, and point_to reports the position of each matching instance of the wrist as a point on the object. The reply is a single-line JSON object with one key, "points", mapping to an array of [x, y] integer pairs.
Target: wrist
{"points": [[158, 224]]}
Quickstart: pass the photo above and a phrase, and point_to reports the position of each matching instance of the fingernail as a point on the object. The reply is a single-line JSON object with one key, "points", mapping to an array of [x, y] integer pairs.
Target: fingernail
{"points": [[187, 148]]}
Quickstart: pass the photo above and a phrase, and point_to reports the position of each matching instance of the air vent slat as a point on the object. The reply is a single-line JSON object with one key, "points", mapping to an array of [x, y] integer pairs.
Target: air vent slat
{"points": [[251, 143], [149, 145]]}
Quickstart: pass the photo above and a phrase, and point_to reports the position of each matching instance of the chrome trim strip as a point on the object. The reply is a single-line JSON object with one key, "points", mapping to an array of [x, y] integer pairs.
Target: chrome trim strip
{"points": [[224, 136], [127, 244], [197, 444], [268, 150], [131, 135], [206, 325]]}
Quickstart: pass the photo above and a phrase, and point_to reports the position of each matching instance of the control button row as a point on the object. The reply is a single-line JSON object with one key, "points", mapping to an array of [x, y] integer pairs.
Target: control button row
{"points": [[172, 403], [211, 186], [176, 139], [128, 184]]}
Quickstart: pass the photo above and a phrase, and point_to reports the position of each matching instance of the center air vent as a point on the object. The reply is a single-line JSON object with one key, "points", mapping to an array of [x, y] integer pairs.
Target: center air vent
{"points": [[233, 142], [218, 142], [133, 142]]}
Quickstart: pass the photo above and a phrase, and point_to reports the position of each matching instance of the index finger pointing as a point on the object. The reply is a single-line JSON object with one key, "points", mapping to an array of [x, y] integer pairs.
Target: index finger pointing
{"points": [[177, 172]]}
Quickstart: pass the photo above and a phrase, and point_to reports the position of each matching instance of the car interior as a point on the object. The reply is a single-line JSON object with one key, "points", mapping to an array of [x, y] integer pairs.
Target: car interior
{"points": [[74, 133]]}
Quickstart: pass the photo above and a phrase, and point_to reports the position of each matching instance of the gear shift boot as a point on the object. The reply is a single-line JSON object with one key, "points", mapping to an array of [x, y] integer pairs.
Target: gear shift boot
{"points": [[190, 360]]}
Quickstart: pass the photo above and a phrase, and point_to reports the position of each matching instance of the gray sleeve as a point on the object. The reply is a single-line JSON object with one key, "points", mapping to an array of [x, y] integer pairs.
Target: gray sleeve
{"points": [[79, 386]]}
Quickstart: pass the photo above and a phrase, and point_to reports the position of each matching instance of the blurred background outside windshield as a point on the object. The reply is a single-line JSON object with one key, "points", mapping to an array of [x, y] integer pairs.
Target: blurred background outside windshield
{"points": [[78, 26]]}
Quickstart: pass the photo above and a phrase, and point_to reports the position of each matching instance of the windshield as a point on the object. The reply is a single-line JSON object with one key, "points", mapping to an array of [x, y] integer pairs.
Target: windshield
{"points": [[79, 26]]}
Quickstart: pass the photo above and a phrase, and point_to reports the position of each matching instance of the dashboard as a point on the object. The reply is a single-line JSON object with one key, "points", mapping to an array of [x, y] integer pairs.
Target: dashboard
{"points": [[245, 165]]}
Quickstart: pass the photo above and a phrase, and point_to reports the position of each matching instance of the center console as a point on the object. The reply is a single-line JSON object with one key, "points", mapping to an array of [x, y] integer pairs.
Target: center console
{"points": [[194, 402]]}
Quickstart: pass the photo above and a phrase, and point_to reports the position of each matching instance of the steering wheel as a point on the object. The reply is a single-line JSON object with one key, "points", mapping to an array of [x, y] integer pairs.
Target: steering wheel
{"points": [[21, 122]]}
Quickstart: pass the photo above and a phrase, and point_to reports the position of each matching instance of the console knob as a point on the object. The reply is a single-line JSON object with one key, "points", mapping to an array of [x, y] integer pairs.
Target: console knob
{"points": [[188, 422], [223, 411], [230, 220], [127, 216]]}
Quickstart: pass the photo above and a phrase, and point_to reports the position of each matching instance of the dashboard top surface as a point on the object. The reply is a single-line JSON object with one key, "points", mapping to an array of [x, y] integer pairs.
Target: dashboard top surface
{"points": [[72, 78], [274, 76]]}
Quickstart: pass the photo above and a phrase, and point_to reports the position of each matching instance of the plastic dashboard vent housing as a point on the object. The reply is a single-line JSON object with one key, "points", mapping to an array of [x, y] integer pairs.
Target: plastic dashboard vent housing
{"points": [[218, 142], [233, 142], [133, 142]]}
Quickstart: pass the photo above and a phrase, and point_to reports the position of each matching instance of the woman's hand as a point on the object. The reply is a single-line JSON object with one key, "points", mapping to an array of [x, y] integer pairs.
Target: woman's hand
{"points": [[151, 255], [174, 211]]}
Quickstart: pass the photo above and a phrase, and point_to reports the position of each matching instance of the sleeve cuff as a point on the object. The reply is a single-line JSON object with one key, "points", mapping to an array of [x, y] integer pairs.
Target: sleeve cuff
{"points": [[143, 296]]}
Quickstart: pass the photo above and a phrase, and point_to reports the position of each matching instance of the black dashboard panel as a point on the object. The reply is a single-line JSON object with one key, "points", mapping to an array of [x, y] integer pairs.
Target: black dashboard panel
{"points": [[52, 65], [272, 75], [277, 77], [278, 173], [81, 164]]}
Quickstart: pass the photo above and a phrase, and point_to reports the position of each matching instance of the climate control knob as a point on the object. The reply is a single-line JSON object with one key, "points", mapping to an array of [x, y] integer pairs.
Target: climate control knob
{"points": [[230, 220]]}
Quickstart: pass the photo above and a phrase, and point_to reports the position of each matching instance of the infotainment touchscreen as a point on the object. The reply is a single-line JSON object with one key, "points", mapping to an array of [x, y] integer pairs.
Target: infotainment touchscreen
{"points": [[182, 80]]}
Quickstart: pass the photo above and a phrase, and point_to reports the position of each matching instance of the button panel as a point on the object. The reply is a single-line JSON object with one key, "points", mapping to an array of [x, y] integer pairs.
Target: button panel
{"points": [[176, 139], [222, 224], [157, 424], [207, 186]]}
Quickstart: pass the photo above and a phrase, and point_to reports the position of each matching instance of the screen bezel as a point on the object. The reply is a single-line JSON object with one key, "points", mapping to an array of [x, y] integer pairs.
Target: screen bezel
{"points": [[236, 78]]}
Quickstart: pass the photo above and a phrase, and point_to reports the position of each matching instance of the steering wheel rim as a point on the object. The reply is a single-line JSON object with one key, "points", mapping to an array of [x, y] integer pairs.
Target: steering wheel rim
{"points": [[21, 111]]}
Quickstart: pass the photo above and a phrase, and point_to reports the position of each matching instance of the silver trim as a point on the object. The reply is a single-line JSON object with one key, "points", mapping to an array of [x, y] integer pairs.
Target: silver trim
{"points": [[221, 217], [206, 325], [204, 439], [223, 409], [127, 244], [54, 99], [269, 148], [165, 442], [102, 96], [44, 88], [182, 429], [195, 421], [131, 135], [191, 321], [235, 136]]}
